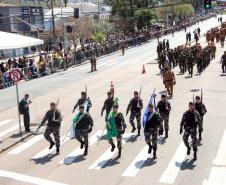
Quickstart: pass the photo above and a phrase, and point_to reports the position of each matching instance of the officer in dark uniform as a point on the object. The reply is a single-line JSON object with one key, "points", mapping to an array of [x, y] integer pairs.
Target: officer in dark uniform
{"points": [[54, 118], [190, 122], [201, 108], [135, 106], [83, 100], [24, 109], [164, 109], [93, 60], [152, 124], [108, 104], [120, 126], [83, 125]]}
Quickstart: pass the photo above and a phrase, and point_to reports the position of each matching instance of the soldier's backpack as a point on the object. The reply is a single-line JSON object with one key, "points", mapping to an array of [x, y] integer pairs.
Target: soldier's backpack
{"points": [[21, 107]]}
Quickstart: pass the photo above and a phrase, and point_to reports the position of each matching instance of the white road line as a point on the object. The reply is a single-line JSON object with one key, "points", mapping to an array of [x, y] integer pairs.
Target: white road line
{"points": [[173, 167], [205, 182], [99, 163], [8, 130], [28, 179], [77, 152], [137, 163], [217, 176], [5, 122], [25, 145], [47, 151], [221, 153]]}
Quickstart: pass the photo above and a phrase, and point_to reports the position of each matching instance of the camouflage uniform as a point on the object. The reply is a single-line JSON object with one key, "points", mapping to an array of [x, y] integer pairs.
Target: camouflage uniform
{"points": [[135, 106], [201, 108], [53, 126], [164, 109], [190, 122], [151, 127]]}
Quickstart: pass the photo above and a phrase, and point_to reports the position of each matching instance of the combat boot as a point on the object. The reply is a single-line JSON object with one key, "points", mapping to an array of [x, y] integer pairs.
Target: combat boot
{"points": [[166, 134], [195, 156], [133, 130], [51, 144], [57, 150], [119, 153], [138, 134], [154, 155], [200, 137], [188, 151], [149, 149], [82, 144], [86, 151], [112, 147]]}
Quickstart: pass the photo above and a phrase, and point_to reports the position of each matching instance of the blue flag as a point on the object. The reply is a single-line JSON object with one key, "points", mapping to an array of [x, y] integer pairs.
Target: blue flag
{"points": [[152, 99]]}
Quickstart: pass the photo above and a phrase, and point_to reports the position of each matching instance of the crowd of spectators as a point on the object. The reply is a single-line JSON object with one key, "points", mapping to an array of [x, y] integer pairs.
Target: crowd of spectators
{"points": [[54, 61]]}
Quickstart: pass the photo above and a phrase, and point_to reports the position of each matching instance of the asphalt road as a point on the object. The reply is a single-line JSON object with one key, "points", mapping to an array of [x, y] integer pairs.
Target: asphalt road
{"points": [[31, 162]]}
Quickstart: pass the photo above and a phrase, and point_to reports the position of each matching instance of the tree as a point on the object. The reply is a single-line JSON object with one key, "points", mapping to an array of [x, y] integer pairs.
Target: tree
{"points": [[143, 17]]}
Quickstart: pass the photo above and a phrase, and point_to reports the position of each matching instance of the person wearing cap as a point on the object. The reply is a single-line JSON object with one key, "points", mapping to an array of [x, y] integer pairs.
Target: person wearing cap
{"points": [[170, 80], [223, 62], [54, 119], [24, 109], [108, 103], [115, 128], [83, 124], [82, 101], [152, 125], [189, 123], [135, 106], [201, 108], [164, 109]]}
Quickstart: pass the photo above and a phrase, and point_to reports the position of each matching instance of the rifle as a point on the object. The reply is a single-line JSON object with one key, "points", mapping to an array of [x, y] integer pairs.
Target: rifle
{"points": [[138, 104], [54, 116], [193, 98], [201, 96]]}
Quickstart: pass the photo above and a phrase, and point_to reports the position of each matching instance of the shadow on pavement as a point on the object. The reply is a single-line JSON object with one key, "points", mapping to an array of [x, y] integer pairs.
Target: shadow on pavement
{"points": [[111, 163], [188, 165], [147, 163], [45, 159]]}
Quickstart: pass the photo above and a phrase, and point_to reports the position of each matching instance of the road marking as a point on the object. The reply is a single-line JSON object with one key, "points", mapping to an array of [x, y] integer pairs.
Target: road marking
{"points": [[205, 182], [28, 179], [99, 163], [137, 163], [77, 152], [220, 159], [173, 167], [8, 130], [47, 151], [217, 176], [25, 145], [5, 122]]}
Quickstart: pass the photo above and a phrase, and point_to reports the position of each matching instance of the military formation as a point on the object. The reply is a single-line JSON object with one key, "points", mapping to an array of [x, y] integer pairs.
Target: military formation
{"points": [[155, 122]]}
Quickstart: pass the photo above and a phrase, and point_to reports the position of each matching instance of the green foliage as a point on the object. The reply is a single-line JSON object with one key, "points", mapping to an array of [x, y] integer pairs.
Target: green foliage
{"points": [[98, 37], [143, 17], [104, 26]]}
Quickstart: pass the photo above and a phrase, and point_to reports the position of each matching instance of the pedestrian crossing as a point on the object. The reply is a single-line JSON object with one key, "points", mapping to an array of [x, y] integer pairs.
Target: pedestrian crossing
{"points": [[168, 175]]}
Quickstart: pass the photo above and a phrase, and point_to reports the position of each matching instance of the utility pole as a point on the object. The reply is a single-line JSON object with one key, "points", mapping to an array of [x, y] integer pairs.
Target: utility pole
{"points": [[53, 22]]}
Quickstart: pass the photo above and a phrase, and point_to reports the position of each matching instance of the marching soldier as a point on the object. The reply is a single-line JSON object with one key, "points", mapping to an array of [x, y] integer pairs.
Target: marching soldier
{"points": [[116, 128], [123, 47], [170, 80], [135, 106], [190, 122], [93, 60], [54, 118], [83, 125], [164, 109], [82, 101], [201, 108], [223, 62], [151, 126], [24, 109], [190, 63], [108, 104]]}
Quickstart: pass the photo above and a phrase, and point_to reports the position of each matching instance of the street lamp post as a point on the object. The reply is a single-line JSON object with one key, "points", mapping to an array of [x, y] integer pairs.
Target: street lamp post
{"points": [[53, 22]]}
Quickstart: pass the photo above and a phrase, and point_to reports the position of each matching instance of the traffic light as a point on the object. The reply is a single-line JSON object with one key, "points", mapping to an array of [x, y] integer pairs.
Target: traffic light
{"points": [[207, 4], [69, 29], [76, 13]]}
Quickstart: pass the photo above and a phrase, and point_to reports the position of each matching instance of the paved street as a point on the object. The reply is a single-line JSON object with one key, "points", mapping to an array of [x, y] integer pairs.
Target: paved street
{"points": [[30, 162]]}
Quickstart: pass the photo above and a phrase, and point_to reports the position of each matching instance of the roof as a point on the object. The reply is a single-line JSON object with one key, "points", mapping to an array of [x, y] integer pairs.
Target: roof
{"points": [[6, 5], [21, 41]]}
